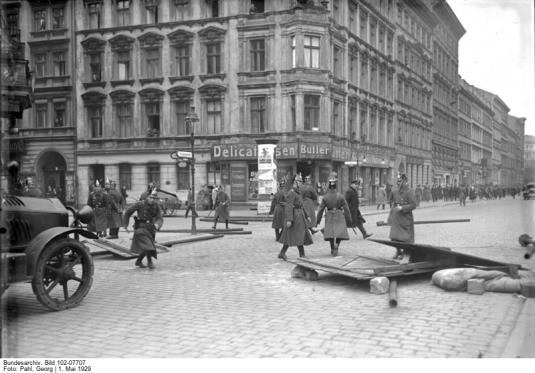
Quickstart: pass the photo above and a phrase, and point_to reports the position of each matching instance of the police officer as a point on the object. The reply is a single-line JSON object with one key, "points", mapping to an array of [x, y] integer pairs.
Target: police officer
{"points": [[400, 219], [277, 209], [295, 231], [222, 203], [98, 201], [310, 198], [352, 198], [337, 216], [149, 220], [116, 205]]}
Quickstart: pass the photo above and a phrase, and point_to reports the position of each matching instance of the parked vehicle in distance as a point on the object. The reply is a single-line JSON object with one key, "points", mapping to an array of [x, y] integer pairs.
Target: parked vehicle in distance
{"points": [[528, 191]]}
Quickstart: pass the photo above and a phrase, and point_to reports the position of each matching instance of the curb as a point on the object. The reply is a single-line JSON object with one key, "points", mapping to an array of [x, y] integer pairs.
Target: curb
{"points": [[521, 341]]}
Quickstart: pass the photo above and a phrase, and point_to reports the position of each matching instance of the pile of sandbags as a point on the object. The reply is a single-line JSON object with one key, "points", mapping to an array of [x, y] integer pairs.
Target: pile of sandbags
{"points": [[457, 279]]}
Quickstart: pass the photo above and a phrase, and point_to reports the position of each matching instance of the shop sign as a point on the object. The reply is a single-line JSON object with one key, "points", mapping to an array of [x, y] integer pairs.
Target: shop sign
{"points": [[314, 150], [341, 153], [250, 151]]}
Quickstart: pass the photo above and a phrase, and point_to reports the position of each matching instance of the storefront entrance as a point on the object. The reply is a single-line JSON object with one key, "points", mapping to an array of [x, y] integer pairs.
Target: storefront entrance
{"points": [[51, 169]]}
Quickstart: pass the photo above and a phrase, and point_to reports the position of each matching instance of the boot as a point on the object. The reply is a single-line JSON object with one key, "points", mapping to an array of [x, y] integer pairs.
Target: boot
{"points": [[139, 262], [331, 242], [215, 223], [336, 245], [277, 235], [301, 251], [282, 254], [366, 235], [226, 224], [150, 264]]}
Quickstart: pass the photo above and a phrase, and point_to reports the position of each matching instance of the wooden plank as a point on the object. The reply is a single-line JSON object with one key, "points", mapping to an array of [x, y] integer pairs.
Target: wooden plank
{"points": [[409, 267], [119, 251], [231, 221], [383, 223], [190, 239], [203, 230]]}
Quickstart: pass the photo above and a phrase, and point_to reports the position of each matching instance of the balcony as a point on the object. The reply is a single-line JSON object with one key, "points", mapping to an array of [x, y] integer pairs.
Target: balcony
{"points": [[15, 87]]}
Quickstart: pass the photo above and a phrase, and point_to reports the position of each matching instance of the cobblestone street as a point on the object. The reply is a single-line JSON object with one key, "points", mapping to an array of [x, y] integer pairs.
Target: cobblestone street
{"points": [[231, 297]]}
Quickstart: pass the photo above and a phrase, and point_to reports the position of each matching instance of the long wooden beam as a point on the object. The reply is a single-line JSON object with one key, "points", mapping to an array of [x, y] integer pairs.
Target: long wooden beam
{"points": [[381, 223]]}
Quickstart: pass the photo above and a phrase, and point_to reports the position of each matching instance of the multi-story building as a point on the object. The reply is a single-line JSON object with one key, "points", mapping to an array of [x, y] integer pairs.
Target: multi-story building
{"points": [[316, 76], [529, 158], [47, 131], [475, 129], [515, 158], [15, 90], [414, 130], [446, 36]]}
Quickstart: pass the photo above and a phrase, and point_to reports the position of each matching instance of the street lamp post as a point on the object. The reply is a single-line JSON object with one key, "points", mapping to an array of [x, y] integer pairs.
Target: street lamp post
{"points": [[191, 119]]}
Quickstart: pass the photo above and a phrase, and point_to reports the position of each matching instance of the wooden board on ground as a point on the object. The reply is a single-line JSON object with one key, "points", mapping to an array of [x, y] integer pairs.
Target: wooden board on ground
{"points": [[99, 248], [202, 230], [170, 241]]}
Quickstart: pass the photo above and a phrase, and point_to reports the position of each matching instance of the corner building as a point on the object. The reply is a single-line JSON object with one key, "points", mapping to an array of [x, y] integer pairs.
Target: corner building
{"points": [[316, 76]]}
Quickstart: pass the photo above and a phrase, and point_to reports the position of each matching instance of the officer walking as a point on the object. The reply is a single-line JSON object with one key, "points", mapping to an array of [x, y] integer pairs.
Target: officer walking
{"points": [[352, 198], [97, 200], [337, 216], [116, 205], [400, 219], [222, 203], [277, 209], [149, 220], [310, 198], [295, 231]]}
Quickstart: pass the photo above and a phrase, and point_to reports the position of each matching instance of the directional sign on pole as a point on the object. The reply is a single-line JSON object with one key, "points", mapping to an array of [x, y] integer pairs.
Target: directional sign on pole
{"points": [[184, 154]]}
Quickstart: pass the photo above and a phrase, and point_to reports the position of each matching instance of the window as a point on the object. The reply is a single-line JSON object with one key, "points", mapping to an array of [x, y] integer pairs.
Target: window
{"points": [[336, 125], [124, 119], [13, 24], [93, 12], [363, 119], [213, 113], [373, 125], [337, 61], [183, 177], [181, 9], [153, 173], [312, 110], [353, 68], [363, 26], [382, 81], [123, 65], [59, 114], [373, 78], [352, 118], [125, 176], [58, 18], [152, 11], [152, 110], [123, 12], [293, 119], [294, 56], [364, 73], [95, 119], [41, 113], [258, 55], [258, 112], [182, 60], [181, 111], [258, 6], [213, 8], [95, 67], [59, 63], [152, 63], [312, 51], [40, 65], [389, 42], [213, 58], [39, 19]]}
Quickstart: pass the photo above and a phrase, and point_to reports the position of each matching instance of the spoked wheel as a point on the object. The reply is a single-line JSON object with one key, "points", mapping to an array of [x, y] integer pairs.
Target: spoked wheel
{"points": [[63, 274]]}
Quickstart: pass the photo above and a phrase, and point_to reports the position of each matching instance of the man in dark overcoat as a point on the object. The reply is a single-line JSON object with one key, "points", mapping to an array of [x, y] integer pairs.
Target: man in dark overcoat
{"points": [[116, 205], [277, 209], [191, 205], [400, 219], [222, 203], [149, 220], [337, 216], [97, 200], [352, 198], [310, 199], [295, 231]]}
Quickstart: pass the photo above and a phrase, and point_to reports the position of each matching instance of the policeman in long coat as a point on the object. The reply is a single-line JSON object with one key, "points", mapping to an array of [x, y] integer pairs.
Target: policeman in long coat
{"points": [[310, 198], [222, 203], [337, 216], [295, 231], [116, 205], [352, 198], [149, 220], [277, 209], [400, 219], [98, 201]]}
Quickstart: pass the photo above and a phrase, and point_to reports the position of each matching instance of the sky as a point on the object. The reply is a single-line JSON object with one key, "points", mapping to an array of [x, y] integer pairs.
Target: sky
{"points": [[497, 51]]}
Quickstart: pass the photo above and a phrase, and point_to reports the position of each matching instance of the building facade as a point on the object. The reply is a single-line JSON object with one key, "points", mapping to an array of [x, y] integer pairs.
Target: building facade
{"points": [[475, 129], [529, 159], [446, 36]]}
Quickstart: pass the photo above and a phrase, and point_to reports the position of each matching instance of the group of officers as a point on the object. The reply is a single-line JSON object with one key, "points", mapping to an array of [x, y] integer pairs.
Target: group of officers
{"points": [[293, 209], [295, 221]]}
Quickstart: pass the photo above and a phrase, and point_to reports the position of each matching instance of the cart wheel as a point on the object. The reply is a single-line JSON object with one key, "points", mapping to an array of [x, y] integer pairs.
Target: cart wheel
{"points": [[63, 274]]}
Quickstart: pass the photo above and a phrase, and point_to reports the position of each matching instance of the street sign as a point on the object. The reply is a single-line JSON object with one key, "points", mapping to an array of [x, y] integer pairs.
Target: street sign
{"points": [[182, 164], [184, 154]]}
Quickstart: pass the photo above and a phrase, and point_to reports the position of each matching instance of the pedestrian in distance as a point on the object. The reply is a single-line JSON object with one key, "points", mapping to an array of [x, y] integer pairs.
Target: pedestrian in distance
{"points": [[352, 198], [149, 220], [401, 219], [310, 199], [337, 217], [222, 203], [277, 209], [295, 231], [115, 209], [147, 192], [381, 196], [462, 196], [191, 204]]}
